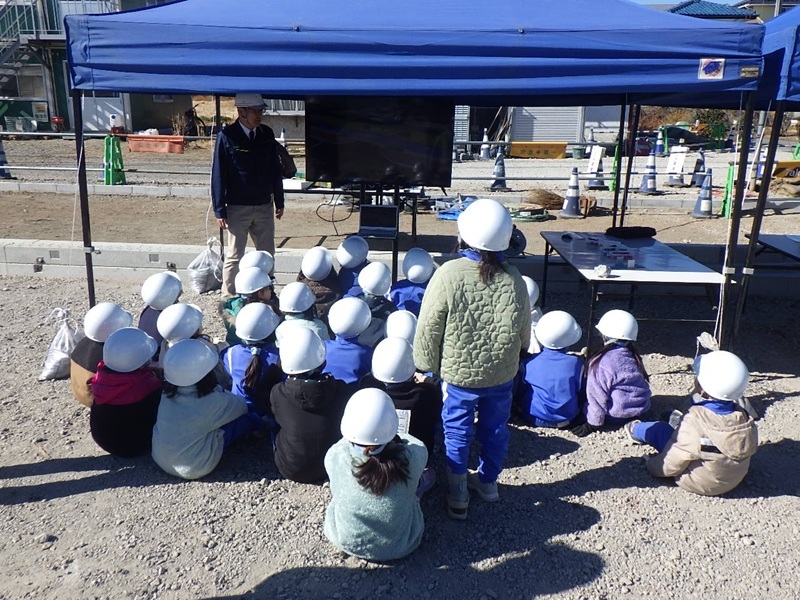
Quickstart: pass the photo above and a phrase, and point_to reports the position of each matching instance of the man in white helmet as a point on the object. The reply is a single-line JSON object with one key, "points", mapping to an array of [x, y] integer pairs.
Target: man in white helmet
{"points": [[246, 185]]}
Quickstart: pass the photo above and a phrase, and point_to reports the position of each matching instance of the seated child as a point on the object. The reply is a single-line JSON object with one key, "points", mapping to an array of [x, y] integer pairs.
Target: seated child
{"points": [[126, 394], [197, 420], [375, 280], [617, 384], [418, 403], [317, 272], [348, 360], [307, 406], [158, 292], [407, 293], [709, 451], [402, 324], [551, 380], [253, 364], [100, 321], [352, 257], [374, 513], [536, 312], [297, 306], [258, 258], [252, 285]]}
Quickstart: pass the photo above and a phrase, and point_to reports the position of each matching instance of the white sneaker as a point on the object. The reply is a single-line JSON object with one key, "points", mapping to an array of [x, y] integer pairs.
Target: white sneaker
{"points": [[628, 427], [487, 491]]}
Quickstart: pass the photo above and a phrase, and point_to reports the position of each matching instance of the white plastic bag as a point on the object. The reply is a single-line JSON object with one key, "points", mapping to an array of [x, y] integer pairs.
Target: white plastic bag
{"points": [[56, 363], [205, 271]]}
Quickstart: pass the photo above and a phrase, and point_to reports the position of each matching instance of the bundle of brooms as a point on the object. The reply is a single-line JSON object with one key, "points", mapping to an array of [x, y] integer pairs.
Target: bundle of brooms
{"points": [[539, 198]]}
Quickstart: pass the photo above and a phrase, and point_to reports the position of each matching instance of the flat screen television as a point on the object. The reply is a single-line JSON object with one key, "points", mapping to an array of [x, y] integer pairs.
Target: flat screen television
{"points": [[388, 141]]}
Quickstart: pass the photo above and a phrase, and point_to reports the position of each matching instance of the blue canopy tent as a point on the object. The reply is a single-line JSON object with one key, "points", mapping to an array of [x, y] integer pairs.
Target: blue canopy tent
{"points": [[508, 52]]}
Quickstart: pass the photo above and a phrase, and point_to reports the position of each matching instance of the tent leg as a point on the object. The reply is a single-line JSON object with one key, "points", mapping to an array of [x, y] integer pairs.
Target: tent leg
{"points": [[758, 217], [83, 192], [736, 216], [633, 118], [618, 162]]}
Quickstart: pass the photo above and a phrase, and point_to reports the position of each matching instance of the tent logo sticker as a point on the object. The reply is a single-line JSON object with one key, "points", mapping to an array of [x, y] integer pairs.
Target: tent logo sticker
{"points": [[711, 68]]}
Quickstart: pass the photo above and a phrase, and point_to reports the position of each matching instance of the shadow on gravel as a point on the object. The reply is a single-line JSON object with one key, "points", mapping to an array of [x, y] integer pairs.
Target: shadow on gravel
{"points": [[774, 471]]}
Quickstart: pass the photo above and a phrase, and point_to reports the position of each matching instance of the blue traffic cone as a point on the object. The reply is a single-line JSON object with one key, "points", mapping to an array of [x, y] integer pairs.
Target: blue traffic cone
{"points": [[648, 185], [572, 203], [699, 173], [660, 143], [702, 209], [499, 172], [486, 149], [598, 183]]}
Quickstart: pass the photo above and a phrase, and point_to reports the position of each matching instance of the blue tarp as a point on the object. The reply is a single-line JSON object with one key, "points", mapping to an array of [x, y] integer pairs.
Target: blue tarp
{"points": [[473, 51], [782, 53]]}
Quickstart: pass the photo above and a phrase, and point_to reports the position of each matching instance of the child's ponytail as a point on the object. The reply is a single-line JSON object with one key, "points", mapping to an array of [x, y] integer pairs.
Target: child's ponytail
{"points": [[382, 470], [253, 372]]}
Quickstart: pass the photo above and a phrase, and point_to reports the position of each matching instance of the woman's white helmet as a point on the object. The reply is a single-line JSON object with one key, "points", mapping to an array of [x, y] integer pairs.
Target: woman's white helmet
{"points": [[375, 279], [317, 263], [352, 252], [486, 225], [301, 351], [557, 329], [418, 265], [349, 317], [257, 258], [618, 325], [251, 279], [393, 361], [256, 322], [128, 349], [179, 322], [402, 324], [296, 297], [104, 319], [369, 418], [533, 290], [188, 361], [722, 375], [161, 290]]}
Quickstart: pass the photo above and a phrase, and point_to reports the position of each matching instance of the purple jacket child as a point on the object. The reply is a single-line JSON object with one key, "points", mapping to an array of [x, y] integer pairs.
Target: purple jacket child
{"points": [[616, 389]]}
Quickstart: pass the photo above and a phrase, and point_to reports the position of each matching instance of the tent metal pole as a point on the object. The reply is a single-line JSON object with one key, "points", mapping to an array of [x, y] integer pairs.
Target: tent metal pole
{"points": [[83, 193], [758, 216], [736, 215], [636, 109], [618, 162]]}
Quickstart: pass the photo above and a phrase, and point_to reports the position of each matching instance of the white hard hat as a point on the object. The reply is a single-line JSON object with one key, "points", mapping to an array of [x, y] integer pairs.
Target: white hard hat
{"points": [[161, 290], [402, 324], [251, 279], [296, 297], [722, 375], [557, 329], [349, 317], [104, 319], [533, 290], [393, 361], [249, 101], [179, 322], [258, 258], [301, 351], [369, 418], [127, 349], [188, 361], [486, 225], [352, 252], [317, 263], [375, 279], [418, 265], [619, 325], [256, 322]]}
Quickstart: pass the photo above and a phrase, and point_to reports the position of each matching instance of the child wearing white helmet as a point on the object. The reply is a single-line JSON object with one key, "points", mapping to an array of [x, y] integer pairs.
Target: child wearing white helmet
{"points": [[418, 402], [158, 292], [197, 420], [126, 394], [709, 451], [253, 364], [253, 284], [536, 312], [374, 513], [617, 383], [375, 280], [317, 272], [347, 359], [406, 294], [550, 382], [297, 305], [307, 406], [99, 323], [352, 257]]}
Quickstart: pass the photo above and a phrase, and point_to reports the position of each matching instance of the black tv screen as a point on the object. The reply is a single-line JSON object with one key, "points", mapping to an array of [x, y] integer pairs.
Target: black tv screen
{"points": [[390, 141]]}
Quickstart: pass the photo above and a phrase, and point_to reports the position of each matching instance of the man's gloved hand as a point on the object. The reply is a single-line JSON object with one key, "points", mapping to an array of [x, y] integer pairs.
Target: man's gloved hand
{"points": [[584, 429]]}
